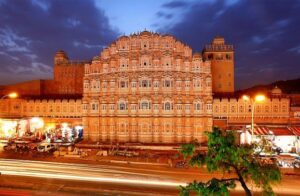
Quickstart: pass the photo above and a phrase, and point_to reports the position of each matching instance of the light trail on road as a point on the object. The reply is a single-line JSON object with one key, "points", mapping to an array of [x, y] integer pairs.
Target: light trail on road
{"points": [[83, 172]]}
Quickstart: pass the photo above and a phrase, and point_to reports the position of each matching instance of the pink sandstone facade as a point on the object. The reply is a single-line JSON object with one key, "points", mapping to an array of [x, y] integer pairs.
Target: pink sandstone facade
{"points": [[147, 88]]}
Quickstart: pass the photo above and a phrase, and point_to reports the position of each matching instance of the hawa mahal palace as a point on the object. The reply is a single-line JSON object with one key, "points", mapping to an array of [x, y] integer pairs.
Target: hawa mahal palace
{"points": [[146, 88]]}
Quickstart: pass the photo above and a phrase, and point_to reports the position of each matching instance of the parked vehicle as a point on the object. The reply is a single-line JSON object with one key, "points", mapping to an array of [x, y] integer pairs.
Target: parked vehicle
{"points": [[10, 146], [46, 147], [181, 164], [126, 153], [278, 150], [296, 163]]}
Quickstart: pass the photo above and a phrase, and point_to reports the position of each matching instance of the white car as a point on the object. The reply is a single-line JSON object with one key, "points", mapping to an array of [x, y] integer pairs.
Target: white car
{"points": [[46, 147]]}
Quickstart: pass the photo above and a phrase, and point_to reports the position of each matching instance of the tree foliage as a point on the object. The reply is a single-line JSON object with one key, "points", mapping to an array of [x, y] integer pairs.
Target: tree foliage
{"points": [[225, 155]]}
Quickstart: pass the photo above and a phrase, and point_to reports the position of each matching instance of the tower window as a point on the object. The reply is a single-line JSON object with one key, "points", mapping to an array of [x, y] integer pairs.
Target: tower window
{"points": [[228, 57], [219, 57]]}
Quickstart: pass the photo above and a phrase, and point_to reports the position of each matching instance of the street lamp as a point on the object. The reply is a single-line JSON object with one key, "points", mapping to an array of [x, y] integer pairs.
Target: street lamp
{"points": [[10, 95], [257, 99]]}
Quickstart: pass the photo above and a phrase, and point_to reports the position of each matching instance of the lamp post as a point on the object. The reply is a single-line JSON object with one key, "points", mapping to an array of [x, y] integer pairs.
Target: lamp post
{"points": [[257, 99], [10, 95]]}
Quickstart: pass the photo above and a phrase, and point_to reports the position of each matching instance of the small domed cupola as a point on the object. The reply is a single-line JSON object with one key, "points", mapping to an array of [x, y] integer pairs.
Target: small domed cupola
{"points": [[145, 33], [60, 57], [96, 59], [197, 55], [218, 40], [276, 91]]}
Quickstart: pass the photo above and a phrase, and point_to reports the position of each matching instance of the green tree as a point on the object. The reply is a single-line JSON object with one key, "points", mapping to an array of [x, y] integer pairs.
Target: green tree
{"points": [[225, 155]]}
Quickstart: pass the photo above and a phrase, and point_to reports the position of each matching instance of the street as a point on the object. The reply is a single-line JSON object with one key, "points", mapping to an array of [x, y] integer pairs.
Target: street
{"points": [[110, 179]]}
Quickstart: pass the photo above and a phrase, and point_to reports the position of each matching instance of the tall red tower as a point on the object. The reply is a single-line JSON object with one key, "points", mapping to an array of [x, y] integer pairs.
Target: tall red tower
{"points": [[68, 75], [221, 56]]}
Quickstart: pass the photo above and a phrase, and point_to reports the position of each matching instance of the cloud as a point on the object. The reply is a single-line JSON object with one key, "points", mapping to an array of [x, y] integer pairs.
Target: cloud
{"points": [[161, 14], [295, 49], [263, 33], [261, 50], [32, 31], [175, 4], [12, 42]]}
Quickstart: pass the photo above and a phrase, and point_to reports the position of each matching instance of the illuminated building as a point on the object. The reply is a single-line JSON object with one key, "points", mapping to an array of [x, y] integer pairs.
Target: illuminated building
{"points": [[147, 88], [231, 111]]}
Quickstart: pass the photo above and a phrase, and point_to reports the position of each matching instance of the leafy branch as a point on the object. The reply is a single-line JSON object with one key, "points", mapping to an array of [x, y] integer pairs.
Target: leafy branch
{"points": [[226, 156]]}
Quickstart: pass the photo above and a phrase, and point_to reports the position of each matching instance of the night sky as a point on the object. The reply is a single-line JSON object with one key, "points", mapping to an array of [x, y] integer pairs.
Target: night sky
{"points": [[265, 33]]}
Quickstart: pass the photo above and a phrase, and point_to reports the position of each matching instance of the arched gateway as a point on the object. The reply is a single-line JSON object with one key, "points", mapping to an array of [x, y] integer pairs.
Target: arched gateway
{"points": [[147, 88]]}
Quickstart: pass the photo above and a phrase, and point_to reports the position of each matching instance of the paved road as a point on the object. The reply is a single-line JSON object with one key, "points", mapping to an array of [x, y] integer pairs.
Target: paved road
{"points": [[108, 179], [93, 173]]}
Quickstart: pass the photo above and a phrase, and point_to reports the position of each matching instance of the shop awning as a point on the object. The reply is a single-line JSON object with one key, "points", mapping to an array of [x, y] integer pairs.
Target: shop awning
{"points": [[261, 130], [281, 131], [295, 130], [278, 131], [270, 130]]}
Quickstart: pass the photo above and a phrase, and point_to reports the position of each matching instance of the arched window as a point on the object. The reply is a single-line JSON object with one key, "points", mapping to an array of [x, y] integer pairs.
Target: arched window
{"points": [[94, 106], [232, 109], [197, 83], [258, 109], [122, 106], [208, 82], [198, 106], [167, 106], [122, 84], [267, 109], [283, 108], [241, 109], [144, 83], [167, 83], [275, 108], [216, 109], [94, 85], [228, 57], [145, 105]]}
